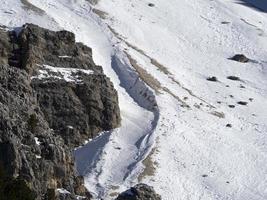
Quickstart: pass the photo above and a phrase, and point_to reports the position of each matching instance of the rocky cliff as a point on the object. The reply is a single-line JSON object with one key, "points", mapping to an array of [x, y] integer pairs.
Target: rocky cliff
{"points": [[52, 98]]}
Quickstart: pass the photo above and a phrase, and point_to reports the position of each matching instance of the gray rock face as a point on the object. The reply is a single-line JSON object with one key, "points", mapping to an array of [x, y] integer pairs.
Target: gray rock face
{"points": [[139, 192], [5, 46], [79, 110], [58, 49], [81, 107], [49, 104]]}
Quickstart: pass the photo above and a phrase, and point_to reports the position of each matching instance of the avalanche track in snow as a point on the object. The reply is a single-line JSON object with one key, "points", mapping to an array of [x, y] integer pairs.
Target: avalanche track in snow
{"points": [[188, 137]]}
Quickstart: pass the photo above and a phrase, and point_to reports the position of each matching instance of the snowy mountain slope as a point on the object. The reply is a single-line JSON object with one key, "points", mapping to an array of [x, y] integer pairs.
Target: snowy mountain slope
{"points": [[16, 13], [173, 46], [197, 156]]}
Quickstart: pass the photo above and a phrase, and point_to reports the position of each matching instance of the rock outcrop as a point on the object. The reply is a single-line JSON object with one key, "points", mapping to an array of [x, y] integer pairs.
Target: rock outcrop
{"points": [[52, 98], [139, 192], [240, 58]]}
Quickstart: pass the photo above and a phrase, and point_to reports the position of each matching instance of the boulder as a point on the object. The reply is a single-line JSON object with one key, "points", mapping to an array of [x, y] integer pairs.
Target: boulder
{"points": [[240, 58], [139, 192]]}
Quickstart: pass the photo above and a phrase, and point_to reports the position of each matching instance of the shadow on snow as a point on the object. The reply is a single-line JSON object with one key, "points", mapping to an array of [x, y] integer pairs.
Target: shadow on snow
{"points": [[260, 5]]}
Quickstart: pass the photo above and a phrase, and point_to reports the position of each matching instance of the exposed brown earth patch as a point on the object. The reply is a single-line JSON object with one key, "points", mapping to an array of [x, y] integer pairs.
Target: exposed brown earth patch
{"points": [[144, 75], [150, 166], [100, 13], [218, 114], [28, 6]]}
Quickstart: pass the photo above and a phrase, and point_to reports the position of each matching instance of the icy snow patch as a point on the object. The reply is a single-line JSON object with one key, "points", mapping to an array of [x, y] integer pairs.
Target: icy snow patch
{"points": [[65, 56], [67, 74], [37, 141], [70, 127], [62, 191]]}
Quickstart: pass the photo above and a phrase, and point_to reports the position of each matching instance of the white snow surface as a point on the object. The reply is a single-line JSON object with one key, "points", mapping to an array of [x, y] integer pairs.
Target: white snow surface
{"points": [[62, 191], [180, 43], [36, 139], [66, 74]]}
